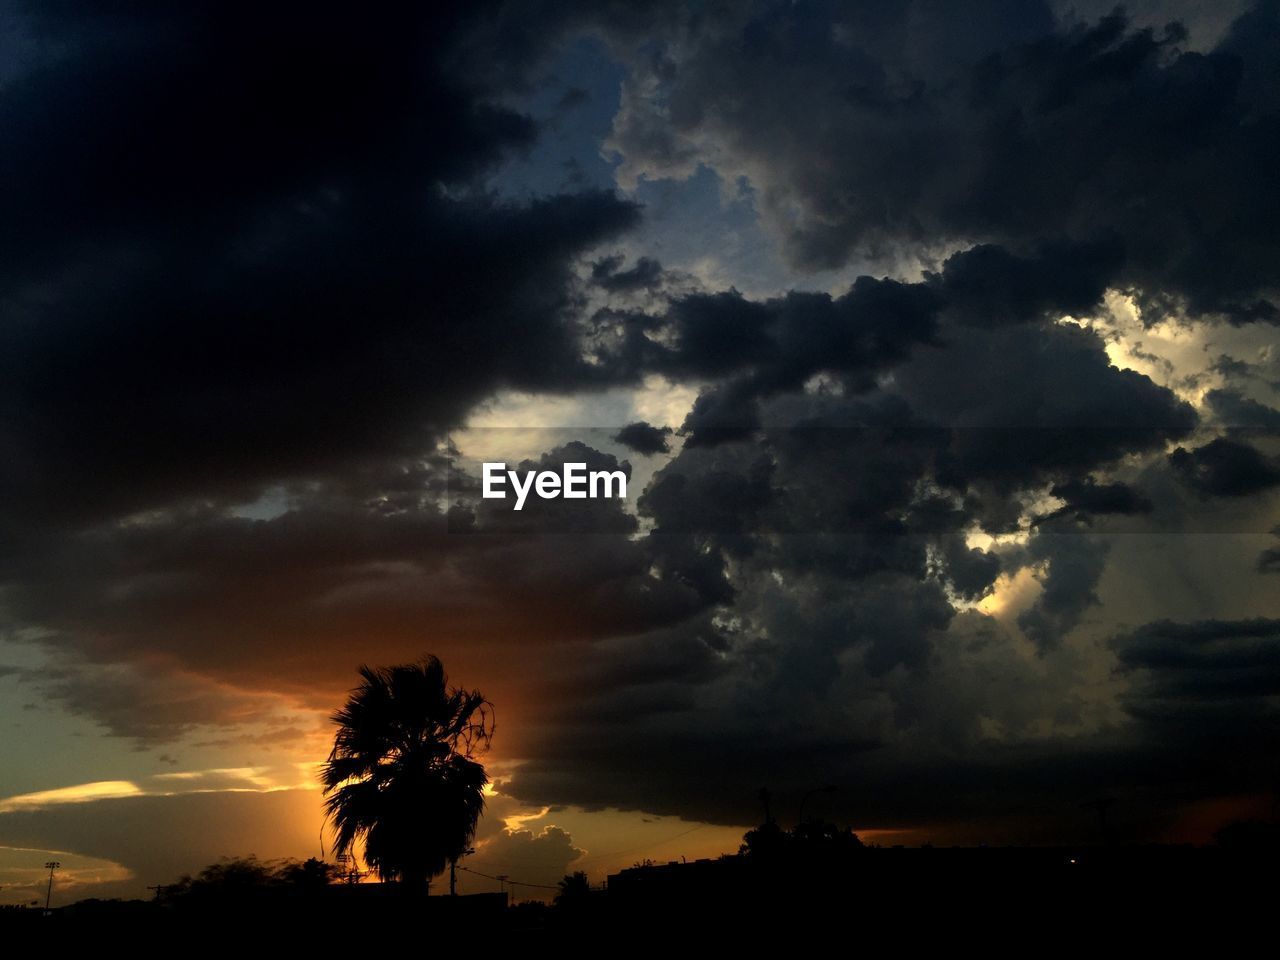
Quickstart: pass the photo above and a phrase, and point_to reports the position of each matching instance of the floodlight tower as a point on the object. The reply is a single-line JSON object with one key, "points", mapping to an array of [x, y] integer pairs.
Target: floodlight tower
{"points": [[51, 866]]}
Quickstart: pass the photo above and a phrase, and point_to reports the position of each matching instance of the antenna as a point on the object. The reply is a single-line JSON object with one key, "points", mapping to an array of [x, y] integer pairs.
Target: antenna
{"points": [[764, 799]]}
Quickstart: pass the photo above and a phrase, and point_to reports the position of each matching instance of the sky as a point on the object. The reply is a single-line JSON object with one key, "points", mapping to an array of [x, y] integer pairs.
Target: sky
{"points": [[938, 343]]}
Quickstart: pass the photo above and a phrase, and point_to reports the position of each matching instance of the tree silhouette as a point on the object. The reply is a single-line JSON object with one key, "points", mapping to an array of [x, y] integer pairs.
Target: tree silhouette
{"points": [[575, 888], [810, 841], [402, 777], [242, 880]]}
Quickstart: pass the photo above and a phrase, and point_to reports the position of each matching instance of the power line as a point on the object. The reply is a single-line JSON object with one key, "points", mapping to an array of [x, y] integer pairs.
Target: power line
{"points": [[643, 846], [516, 883]]}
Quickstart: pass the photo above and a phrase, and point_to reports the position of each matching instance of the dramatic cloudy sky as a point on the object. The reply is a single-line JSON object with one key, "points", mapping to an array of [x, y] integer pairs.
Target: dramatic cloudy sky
{"points": [[939, 342]]}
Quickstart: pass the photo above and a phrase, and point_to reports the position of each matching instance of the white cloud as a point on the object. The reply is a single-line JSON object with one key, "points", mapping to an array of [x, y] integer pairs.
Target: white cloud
{"points": [[79, 793]]}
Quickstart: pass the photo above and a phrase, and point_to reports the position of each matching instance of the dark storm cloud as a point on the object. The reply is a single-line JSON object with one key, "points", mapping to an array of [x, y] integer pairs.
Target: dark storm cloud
{"points": [[669, 658], [1087, 498], [150, 704], [323, 317], [1075, 564], [971, 571], [857, 466], [142, 119], [1241, 413], [988, 285], [942, 332], [646, 273], [997, 794], [1205, 679], [761, 348], [219, 271], [644, 438], [1030, 403], [923, 123], [1225, 468], [915, 734], [1232, 367], [920, 742], [1269, 559], [719, 492], [233, 598], [704, 768], [979, 421], [194, 622], [828, 528], [722, 415], [780, 343]]}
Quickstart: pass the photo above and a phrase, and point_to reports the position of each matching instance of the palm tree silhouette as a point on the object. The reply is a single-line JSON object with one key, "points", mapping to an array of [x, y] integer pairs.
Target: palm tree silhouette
{"points": [[402, 776]]}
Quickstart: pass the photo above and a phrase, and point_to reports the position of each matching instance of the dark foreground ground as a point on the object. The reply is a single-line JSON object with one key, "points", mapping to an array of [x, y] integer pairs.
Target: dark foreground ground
{"points": [[1039, 900]]}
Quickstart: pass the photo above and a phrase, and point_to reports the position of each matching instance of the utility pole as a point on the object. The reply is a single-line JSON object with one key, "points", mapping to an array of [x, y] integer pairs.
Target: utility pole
{"points": [[51, 866], [453, 871], [764, 799]]}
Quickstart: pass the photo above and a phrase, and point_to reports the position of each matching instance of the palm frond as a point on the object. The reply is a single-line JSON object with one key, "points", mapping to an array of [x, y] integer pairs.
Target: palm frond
{"points": [[401, 778]]}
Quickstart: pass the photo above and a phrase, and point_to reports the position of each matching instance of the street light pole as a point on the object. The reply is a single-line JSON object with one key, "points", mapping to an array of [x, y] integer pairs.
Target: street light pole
{"points": [[453, 871], [51, 866]]}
